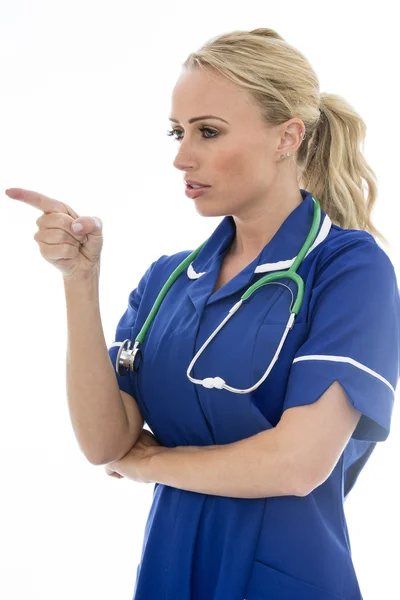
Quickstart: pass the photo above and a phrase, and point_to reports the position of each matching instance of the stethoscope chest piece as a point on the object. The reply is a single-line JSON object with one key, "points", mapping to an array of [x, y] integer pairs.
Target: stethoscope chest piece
{"points": [[129, 358]]}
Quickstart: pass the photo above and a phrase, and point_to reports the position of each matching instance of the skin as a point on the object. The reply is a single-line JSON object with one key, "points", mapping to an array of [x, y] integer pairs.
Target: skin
{"points": [[242, 163], [248, 178], [251, 183]]}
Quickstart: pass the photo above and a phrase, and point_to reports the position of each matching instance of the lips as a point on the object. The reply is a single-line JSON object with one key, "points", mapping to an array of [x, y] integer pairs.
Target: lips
{"points": [[196, 192], [191, 182]]}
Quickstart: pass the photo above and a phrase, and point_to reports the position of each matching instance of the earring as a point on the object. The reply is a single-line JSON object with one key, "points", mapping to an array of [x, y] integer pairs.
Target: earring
{"points": [[303, 137]]}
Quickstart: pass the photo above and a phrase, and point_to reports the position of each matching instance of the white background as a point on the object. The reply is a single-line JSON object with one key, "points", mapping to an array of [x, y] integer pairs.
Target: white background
{"points": [[85, 90]]}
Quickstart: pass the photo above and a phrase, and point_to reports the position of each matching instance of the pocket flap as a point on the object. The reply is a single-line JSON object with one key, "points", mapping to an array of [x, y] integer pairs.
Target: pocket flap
{"points": [[266, 582]]}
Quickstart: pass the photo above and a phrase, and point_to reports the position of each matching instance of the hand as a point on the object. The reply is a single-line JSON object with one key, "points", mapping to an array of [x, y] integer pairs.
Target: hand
{"points": [[74, 254], [133, 464], [110, 471], [147, 439]]}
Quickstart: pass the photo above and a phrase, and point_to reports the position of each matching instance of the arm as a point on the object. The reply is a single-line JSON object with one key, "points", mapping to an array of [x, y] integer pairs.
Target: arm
{"points": [[318, 433], [293, 458], [255, 467], [106, 421]]}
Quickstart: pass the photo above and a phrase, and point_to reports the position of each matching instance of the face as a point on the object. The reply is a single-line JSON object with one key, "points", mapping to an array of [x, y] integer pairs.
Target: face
{"points": [[240, 158]]}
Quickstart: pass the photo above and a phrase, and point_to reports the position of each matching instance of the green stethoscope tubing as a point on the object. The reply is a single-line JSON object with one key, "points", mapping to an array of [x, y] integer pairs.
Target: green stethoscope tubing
{"points": [[287, 274]]}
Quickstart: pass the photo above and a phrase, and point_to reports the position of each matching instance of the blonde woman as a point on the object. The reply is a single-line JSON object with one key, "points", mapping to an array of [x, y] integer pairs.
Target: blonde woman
{"points": [[261, 427]]}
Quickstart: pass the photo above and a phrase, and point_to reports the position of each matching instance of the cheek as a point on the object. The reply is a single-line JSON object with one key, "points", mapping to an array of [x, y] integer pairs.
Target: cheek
{"points": [[233, 166]]}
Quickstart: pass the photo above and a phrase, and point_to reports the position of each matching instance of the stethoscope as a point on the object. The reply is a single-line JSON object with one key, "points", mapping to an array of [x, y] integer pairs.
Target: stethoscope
{"points": [[126, 356]]}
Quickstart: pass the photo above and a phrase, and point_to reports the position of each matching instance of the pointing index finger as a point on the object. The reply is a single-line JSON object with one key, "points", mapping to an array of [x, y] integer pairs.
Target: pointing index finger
{"points": [[40, 201]]}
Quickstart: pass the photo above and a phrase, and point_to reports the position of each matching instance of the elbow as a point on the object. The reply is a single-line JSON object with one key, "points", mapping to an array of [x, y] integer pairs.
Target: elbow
{"points": [[117, 450], [103, 456], [302, 480], [98, 461], [105, 459], [302, 490], [102, 460], [93, 458], [97, 454], [295, 488], [307, 482]]}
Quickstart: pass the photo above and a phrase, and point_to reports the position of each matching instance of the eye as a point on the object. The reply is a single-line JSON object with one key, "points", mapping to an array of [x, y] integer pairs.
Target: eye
{"points": [[177, 131]]}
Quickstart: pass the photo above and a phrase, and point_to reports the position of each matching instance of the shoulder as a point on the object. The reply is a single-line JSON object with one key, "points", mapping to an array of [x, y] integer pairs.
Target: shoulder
{"points": [[160, 270], [168, 263], [346, 250]]}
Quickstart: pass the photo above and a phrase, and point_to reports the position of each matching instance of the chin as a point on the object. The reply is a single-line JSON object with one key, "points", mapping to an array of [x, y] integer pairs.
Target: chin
{"points": [[210, 210]]}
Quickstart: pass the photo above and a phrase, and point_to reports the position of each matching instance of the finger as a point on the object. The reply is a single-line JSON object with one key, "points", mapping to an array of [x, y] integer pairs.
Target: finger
{"points": [[58, 222], [87, 225], [58, 251], [56, 236], [40, 201], [92, 225]]}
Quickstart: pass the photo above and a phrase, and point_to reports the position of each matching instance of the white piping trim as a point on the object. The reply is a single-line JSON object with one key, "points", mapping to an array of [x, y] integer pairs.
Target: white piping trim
{"points": [[282, 264], [192, 273], [286, 264], [345, 359]]}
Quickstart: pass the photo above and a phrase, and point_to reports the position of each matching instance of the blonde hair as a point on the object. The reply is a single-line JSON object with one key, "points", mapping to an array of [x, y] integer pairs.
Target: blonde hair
{"points": [[329, 162]]}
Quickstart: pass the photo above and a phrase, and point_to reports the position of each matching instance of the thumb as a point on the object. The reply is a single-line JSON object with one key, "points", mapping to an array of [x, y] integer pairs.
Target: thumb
{"points": [[85, 225]]}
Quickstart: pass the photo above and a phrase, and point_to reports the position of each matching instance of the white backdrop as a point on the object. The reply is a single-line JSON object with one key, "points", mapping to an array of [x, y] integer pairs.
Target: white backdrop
{"points": [[85, 90]]}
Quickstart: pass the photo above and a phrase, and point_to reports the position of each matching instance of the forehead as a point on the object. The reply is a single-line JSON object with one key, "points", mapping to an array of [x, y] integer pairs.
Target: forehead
{"points": [[200, 93]]}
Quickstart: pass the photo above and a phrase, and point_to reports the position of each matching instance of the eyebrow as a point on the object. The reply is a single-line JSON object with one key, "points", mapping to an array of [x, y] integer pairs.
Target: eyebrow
{"points": [[199, 119]]}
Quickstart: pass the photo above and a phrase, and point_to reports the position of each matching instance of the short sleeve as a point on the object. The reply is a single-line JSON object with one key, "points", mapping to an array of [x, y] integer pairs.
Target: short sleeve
{"points": [[125, 328], [353, 337]]}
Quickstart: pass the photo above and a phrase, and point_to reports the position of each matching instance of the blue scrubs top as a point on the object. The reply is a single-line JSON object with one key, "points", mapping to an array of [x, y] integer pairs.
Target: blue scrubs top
{"points": [[205, 547]]}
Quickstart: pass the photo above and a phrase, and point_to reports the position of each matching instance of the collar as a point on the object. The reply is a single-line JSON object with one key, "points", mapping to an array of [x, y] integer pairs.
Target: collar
{"points": [[280, 252]]}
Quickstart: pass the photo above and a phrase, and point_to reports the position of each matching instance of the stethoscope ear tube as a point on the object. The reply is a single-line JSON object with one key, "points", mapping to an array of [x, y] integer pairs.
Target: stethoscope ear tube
{"points": [[218, 382], [126, 357]]}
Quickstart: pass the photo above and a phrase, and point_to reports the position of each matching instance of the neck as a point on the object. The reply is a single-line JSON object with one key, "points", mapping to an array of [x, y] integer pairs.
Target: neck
{"points": [[256, 228]]}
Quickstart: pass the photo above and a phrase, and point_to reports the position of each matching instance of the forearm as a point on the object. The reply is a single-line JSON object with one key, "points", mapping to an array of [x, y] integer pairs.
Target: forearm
{"points": [[256, 467], [95, 404]]}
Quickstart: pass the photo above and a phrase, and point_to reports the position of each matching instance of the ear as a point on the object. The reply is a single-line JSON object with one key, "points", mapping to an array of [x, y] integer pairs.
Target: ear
{"points": [[291, 136]]}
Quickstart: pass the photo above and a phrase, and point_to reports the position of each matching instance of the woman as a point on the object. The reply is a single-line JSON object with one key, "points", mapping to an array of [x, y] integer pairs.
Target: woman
{"points": [[250, 483]]}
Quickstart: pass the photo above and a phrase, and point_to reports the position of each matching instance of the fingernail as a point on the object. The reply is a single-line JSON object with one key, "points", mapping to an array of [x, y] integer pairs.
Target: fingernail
{"points": [[98, 222], [76, 227]]}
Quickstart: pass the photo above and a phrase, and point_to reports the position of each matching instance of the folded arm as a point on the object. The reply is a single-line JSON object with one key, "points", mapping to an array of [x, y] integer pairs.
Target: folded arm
{"points": [[293, 458]]}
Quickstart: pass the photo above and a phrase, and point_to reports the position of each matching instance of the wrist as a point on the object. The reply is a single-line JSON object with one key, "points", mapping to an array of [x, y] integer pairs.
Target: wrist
{"points": [[82, 277], [152, 465]]}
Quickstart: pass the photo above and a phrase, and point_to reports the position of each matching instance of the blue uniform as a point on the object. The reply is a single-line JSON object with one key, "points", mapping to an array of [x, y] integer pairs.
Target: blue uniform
{"points": [[205, 547]]}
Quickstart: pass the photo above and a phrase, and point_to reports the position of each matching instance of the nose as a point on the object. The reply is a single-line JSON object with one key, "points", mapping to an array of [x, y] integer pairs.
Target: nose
{"points": [[184, 164], [185, 158]]}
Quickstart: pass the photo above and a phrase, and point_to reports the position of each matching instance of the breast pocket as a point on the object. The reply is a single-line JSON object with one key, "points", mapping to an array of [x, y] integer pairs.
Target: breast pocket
{"points": [[266, 582]]}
